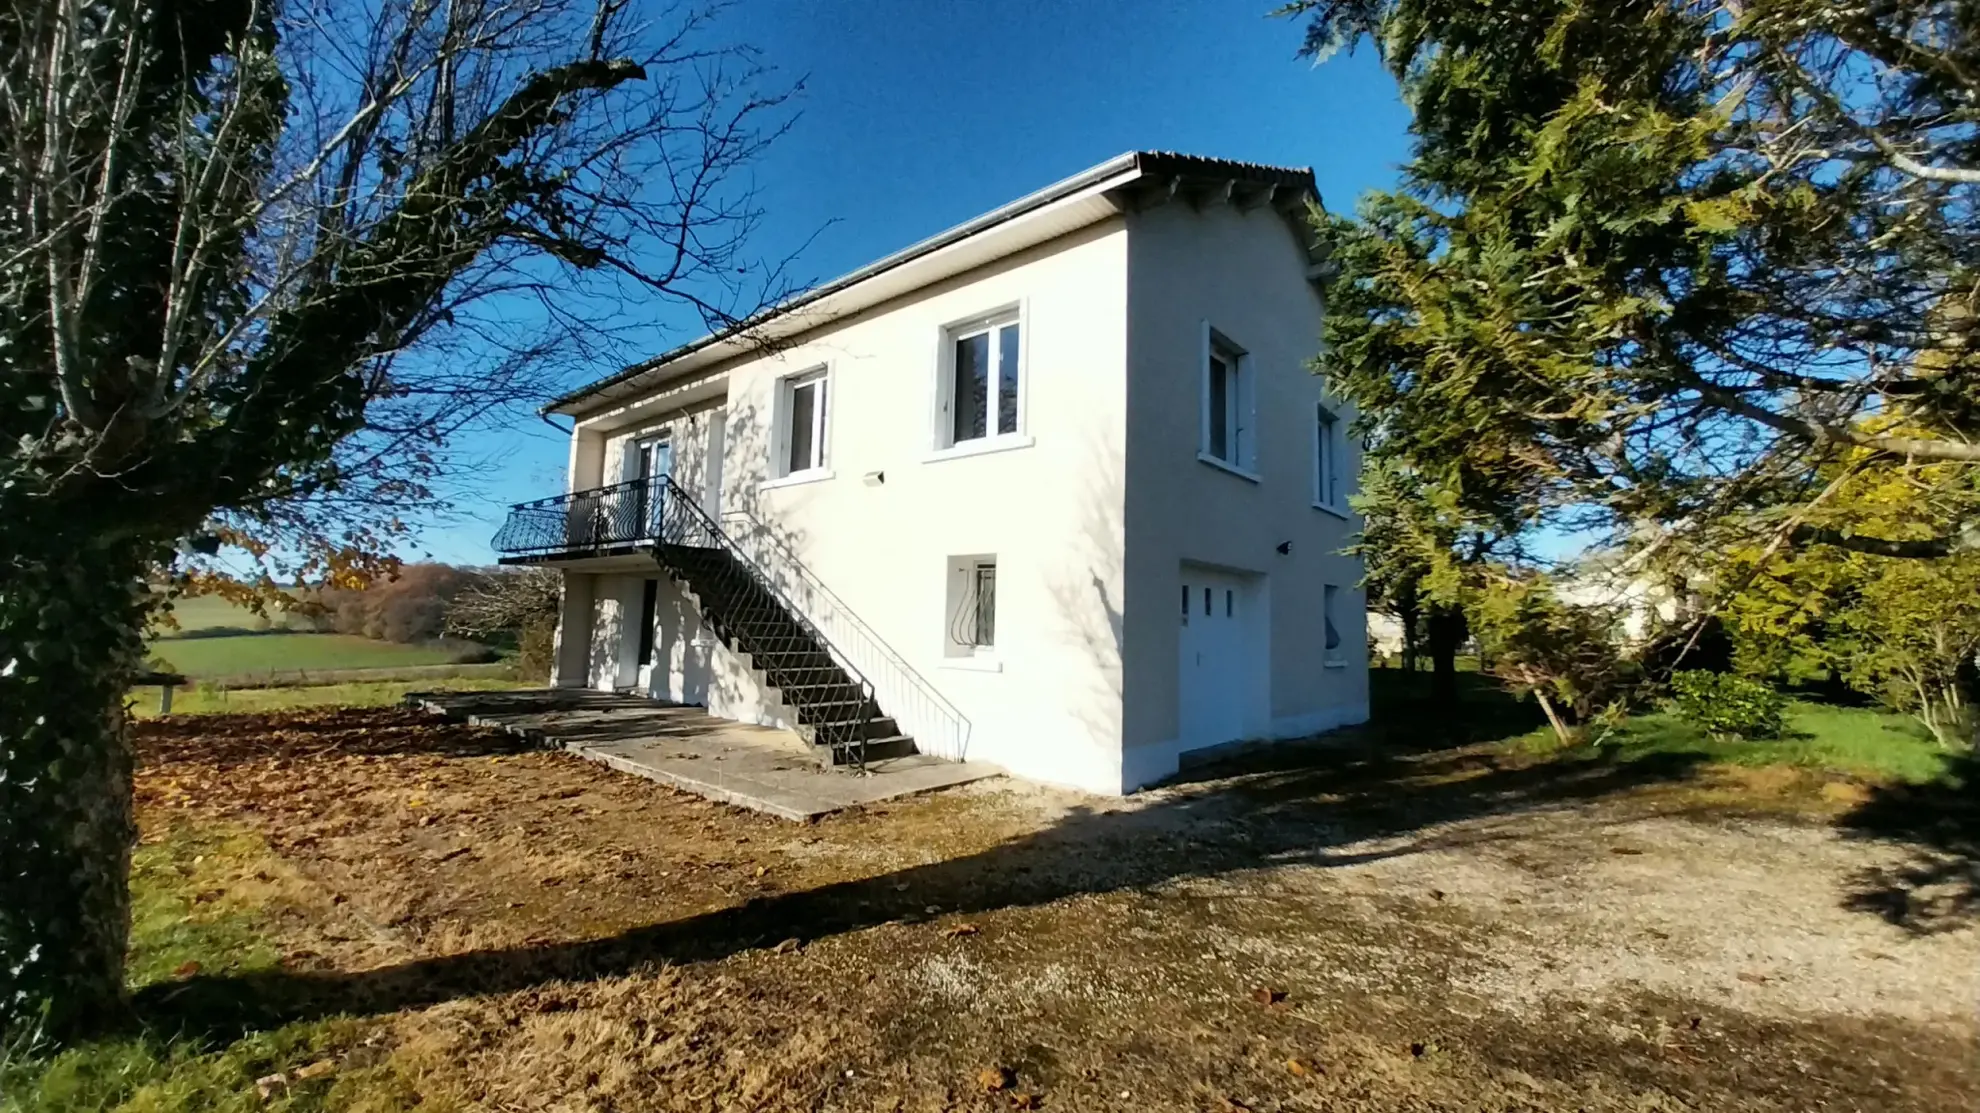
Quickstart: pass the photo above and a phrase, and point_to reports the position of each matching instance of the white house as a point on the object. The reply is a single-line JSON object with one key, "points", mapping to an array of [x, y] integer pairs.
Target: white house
{"points": [[1054, 489]]}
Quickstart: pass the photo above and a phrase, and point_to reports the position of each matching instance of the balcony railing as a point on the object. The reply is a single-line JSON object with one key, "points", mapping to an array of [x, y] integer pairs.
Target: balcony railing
{"points": [[595, 521]]}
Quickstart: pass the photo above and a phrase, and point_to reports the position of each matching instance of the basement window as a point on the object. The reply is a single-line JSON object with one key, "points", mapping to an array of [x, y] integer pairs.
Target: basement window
{"points": [[972, 607], [1330, 603]]}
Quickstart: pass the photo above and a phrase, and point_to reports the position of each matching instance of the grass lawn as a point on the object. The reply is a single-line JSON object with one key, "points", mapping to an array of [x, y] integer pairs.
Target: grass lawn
{"points": [[1862, 743], [209, 699], [206, 612], [200, 898], [261, 654], [1859, 742]]}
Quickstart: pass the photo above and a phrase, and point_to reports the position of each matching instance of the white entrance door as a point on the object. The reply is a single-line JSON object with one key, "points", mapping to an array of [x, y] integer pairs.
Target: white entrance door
{"points": [[1218, 661]]}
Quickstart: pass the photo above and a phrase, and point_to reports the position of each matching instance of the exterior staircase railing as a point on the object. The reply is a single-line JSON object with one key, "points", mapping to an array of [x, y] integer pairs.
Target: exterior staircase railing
{"points": [[939, 727], [657, 513]]}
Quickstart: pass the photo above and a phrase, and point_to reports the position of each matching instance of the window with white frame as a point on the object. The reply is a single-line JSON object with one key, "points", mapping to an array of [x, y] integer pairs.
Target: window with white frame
{"points": [[1330, 602], [972, 606], [801, 426], [1228, 403], [1327, 459], [980, 393]]}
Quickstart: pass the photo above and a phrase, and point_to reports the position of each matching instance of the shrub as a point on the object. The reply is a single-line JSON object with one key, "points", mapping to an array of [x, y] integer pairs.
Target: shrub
{"points": [[1563, 655], [1728, 704]]}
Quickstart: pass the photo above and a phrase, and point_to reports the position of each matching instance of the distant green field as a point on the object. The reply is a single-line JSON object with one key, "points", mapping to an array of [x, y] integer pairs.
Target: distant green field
{"points": [[248, 655], [204, 612]]}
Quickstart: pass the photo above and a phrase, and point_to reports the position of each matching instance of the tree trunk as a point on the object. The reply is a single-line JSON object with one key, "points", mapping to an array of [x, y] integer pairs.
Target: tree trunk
{"points": [[1408, 613], [1554, 717], [71, 616], [1446, 630]]}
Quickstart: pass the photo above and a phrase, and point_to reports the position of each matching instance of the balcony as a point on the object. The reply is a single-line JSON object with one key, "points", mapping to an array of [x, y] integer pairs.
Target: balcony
{"points": [[600, 522]]}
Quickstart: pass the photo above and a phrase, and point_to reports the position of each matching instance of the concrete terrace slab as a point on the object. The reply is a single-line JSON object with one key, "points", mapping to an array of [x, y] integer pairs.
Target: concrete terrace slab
{"points": [[762, 768]]}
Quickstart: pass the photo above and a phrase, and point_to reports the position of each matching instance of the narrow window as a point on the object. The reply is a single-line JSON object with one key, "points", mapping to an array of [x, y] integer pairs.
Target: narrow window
{"points": [[986, 605], [1326, 458], [1331, 599], [1185, 610], [982, 390], [1230, 603], [1007, 379], [649, 598], [1227, 403], [1220, 408], [972, 386], [1206, 602], [803, 425]]}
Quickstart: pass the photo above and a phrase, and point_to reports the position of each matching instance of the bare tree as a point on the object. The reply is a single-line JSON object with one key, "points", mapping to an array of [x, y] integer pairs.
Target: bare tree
{"points": [[512, 602], [260, 262]]}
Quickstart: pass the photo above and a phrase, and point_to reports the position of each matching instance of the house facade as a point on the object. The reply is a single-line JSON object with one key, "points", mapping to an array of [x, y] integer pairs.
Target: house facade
{"points": [[1054, 490]]}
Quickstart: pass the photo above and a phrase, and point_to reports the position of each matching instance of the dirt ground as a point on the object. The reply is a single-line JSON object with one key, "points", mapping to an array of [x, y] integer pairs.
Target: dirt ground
{"points": [[1334, 931]]}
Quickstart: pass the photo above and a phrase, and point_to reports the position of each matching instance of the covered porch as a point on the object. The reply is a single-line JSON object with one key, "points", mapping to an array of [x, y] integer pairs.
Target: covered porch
{"points": [[762, 768]]}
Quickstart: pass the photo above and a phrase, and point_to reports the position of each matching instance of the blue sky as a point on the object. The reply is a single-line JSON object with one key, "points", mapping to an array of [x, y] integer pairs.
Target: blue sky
{"points": [[919, 114]]}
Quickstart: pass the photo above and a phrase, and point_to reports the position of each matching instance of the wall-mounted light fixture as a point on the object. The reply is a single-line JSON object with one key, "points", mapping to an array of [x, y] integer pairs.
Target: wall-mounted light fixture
{"points": [[874, 478], [1285, 548]]}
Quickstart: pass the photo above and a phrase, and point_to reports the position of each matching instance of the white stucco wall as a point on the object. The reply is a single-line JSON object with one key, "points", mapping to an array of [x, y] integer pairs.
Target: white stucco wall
{"points": [[879, 530], [1244, 274]]}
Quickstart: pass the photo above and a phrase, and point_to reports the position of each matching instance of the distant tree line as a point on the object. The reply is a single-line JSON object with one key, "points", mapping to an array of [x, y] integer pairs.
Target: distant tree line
{"points": [[410, 606]]}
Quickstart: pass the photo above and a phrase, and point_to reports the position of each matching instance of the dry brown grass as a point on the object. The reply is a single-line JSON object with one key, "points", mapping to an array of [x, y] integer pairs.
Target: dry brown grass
{"points": [[536, 932]]}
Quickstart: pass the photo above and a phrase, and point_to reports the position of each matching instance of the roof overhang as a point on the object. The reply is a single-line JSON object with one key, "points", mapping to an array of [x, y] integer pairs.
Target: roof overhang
{"points": [[1130, 182]]}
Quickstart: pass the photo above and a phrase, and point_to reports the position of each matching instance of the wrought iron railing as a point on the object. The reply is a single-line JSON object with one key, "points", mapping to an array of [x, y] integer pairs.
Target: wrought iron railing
{"points": [[937, 725], [745, 605], [586, 521]]}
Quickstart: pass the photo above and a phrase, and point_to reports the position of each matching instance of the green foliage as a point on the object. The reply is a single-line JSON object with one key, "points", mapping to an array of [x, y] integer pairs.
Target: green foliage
{"points": [[1563, 655], [1902, 630], [1728, 704], [1654, 265], [1912, 633]]}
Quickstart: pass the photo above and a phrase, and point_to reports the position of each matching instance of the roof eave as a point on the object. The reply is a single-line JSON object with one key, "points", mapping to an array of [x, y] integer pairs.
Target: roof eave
{"points": [[1107, 180]]}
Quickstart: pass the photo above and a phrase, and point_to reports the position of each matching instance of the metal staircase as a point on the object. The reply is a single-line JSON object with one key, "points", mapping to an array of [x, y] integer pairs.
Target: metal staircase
{"points": [[834, 705]]}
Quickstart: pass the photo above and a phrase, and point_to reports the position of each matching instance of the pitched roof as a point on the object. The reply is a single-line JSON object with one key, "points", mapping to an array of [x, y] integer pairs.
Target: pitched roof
{"points": [[1129, 178]]}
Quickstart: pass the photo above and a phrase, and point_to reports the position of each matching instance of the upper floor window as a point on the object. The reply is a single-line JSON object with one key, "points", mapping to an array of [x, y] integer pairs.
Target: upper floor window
{"points": [[801, 424], [1229, 404], [1329, 489], [980, 390]]}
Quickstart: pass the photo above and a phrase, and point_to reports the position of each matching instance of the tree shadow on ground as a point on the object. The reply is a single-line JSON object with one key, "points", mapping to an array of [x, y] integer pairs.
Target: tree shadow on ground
{"points": [[1937, 887], [1354, 798]]}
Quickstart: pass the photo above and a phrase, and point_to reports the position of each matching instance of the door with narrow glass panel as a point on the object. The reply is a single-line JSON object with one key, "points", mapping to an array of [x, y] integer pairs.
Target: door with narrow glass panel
{"points": [[1213, 685], [647, 465]]}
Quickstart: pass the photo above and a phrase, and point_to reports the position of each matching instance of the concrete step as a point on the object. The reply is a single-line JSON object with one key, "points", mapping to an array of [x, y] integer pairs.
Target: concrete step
{"points": [[893, 745]]}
